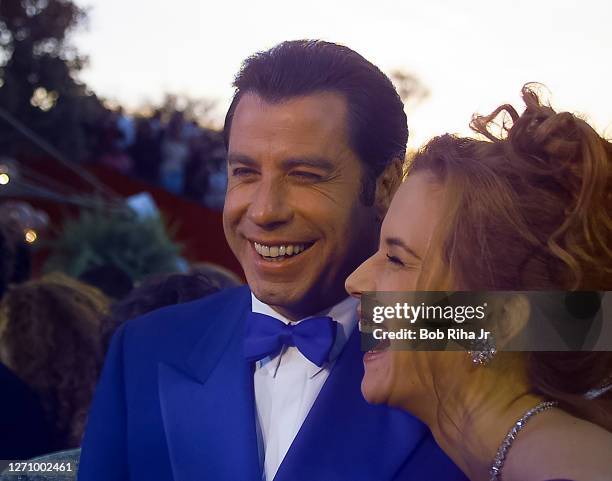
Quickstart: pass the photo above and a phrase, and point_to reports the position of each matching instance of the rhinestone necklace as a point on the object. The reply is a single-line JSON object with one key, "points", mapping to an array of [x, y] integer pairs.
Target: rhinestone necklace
{"points": [[502, 452]]}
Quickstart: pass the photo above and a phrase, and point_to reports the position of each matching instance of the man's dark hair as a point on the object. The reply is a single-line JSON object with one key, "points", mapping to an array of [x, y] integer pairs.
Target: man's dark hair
{"points": [[378, 130]]}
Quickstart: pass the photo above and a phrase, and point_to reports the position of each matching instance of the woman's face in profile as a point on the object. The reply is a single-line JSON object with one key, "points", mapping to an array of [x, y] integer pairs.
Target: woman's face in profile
{"points": [[406, 235]]}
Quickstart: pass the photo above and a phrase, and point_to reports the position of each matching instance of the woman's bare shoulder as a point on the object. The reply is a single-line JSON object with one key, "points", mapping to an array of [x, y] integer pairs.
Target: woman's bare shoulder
{"points": [[562, 446]]}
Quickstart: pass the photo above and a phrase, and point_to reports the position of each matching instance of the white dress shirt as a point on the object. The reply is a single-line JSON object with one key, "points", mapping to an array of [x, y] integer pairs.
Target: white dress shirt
{"points": [[287, 385]]}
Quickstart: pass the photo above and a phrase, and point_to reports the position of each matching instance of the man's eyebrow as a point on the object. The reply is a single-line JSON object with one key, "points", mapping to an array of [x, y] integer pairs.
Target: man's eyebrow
{"points": [[314, 162], [237, 158], [287, 164], [394, 241]]}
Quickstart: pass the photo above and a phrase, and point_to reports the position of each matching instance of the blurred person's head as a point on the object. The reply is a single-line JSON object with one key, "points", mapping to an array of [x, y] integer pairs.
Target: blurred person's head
{"points": [[144, 129], [530, 210], [163, 290], [110, 279], [219, 276], [50, 336], [316, 135], [175, 124]]}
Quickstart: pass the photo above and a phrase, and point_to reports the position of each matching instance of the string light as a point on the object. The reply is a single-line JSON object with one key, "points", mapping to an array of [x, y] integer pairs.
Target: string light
{"points": [[4, 179], [30, 236]]}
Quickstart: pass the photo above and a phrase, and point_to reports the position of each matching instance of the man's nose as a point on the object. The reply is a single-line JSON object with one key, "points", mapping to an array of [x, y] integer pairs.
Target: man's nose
{"points": [[270, 207]]}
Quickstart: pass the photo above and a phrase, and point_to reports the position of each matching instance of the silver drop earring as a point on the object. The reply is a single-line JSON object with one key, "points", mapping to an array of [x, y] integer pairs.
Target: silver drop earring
{"points": [[483, 352]]}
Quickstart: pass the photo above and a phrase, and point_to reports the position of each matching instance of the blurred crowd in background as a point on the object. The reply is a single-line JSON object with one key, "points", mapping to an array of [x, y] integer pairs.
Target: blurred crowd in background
{"points": [[168, 150], [54, 332]]}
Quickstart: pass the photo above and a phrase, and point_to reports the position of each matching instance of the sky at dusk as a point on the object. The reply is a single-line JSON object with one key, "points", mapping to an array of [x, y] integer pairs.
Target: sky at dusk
{"points": [[472, 55]]}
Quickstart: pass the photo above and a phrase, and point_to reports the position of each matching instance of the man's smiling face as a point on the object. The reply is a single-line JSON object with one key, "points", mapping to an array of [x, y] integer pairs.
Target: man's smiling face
{"points": [[293, 215]]}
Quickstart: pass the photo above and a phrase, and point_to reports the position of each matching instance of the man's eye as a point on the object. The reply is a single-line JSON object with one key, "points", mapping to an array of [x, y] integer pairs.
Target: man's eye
{"points": [[394, 260], [243, 171], [303, 175]]}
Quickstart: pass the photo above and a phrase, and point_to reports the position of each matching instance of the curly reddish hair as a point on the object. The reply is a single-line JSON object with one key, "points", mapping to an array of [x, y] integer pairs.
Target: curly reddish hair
{"points": [[531, 210], [50, 336]]}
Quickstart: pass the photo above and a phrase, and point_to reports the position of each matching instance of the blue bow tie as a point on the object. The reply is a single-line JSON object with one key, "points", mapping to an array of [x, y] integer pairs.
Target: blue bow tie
{"points": [[266, 336]]}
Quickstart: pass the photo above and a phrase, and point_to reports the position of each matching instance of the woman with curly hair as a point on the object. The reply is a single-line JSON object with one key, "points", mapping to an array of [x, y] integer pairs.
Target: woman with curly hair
{"points": [[527, 210], [51, 337]]}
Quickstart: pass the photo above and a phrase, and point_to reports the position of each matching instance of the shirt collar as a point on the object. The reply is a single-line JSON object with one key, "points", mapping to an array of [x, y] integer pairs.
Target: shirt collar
{"points": [[344, 313]]}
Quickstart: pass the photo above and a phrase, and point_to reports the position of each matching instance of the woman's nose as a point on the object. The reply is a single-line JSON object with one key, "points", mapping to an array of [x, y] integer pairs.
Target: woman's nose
{"points": [[361, 280]]}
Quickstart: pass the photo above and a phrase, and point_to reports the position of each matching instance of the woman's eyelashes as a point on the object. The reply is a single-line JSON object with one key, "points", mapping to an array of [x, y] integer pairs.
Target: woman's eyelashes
{"points": [[396, 261], [405, 264]]}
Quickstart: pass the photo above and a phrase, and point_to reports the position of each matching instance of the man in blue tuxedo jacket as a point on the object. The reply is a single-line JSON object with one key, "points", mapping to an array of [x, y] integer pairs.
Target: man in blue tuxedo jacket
{"points": [[263, 383]]}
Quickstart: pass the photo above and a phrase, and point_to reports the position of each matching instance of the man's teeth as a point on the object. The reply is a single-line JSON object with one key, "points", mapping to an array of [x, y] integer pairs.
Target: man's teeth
{"points": [[279, 251]]}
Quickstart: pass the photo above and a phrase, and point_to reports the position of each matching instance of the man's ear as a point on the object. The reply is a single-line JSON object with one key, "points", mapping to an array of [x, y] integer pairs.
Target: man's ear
{"points": [[386, 185]]}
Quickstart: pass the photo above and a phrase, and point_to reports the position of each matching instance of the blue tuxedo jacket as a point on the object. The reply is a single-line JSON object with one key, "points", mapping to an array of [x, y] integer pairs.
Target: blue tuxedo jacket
{"points": [[176, 402]]}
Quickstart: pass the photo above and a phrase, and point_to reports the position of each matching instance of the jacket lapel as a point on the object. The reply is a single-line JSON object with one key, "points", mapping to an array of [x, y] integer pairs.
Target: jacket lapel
{"points": [[208, 407], [344, 437]]}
